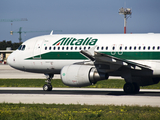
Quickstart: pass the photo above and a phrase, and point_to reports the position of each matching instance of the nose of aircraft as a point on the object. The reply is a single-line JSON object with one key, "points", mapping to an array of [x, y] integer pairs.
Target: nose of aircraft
{"points": [[14, 61], [10, 60]]}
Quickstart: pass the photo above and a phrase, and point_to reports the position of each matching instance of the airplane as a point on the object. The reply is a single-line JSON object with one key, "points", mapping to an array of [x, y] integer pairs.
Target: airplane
{"points": [[84, 59]]}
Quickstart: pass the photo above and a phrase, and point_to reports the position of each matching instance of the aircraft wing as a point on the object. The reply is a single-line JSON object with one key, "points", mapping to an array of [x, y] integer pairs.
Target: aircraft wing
{"points": [[98, 57]]}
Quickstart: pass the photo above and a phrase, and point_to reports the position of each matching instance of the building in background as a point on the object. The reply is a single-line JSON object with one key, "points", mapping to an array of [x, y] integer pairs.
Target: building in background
{"points": [[4, 55]]}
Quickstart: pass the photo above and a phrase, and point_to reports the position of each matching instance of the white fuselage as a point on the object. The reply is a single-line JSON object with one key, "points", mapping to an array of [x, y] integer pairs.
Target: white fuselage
{"points": [[48, 54]]}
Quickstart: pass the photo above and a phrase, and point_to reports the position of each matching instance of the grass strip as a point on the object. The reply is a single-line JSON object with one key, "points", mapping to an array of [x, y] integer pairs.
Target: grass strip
{"points": [[77, 112], [111, 83]]}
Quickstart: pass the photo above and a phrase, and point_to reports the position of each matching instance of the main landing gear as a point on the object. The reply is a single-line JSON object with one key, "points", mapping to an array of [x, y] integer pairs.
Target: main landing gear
{"points": [[131, 88], [48, 86]]}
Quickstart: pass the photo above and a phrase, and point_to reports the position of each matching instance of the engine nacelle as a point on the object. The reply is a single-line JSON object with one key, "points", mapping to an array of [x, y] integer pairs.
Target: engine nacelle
{"points": [[81, 75]]}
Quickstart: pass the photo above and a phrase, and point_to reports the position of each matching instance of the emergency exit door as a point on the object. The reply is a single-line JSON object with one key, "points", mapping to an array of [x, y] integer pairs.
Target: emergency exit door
{"points": [[37, 49]]}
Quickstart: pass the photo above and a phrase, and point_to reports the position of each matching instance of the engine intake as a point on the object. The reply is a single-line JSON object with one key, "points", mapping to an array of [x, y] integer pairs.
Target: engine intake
{"points": [[81, 75]]}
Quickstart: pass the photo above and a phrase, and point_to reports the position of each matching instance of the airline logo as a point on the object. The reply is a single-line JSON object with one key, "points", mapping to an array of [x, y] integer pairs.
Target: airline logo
{"points": [[74, 41]]}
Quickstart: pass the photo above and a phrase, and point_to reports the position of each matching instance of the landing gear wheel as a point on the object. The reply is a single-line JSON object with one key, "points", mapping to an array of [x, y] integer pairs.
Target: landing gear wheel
{"points": [[131, 88], [50, 87], [136, 88], [128, 88], [47, 87]]}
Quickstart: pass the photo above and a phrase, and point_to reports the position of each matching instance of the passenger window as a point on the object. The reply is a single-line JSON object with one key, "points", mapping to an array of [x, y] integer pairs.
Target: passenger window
{"points": [[97, 48], [75, 48], [139, 48], [71, 48], [101, 48], [148, 47], [153, 47], [45, 48], [113, 48], [158, 48], [88, 48], [58, 48], [144, 48], [66, 48], [135, 48], [79, 48], [84, 48], [120, 47], [130, 48], [49, 48], [54, 48], [107, 48], [126, 48], [62, 48]]}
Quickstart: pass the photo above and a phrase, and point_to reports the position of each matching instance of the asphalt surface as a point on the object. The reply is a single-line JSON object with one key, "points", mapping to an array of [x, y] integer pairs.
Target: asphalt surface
{"points": [[8, 72], [78, 91], [89, 96]]}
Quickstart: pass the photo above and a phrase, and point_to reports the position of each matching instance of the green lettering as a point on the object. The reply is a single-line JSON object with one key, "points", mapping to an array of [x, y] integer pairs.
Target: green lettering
{"points": [[88, 41], [59, 41], [72, 43], [69, 41], [79, 42], [85, 41], [66, 41], [93, 42], [62, 42]]}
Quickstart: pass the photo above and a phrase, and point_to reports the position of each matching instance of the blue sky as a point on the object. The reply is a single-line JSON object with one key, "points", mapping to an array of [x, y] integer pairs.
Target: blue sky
{"points": [[77, 17]]}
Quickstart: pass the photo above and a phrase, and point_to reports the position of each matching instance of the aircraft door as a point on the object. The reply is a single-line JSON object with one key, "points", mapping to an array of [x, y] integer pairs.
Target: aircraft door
{"points": [[37, 49]]}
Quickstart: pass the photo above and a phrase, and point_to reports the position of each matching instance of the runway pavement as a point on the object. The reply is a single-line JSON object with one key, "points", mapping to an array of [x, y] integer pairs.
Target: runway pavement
{"points": [[8, 72], [91, 96]]}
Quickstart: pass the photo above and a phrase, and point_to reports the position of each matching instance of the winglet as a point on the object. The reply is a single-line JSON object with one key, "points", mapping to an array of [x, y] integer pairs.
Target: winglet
{"points": [[89, 53]]}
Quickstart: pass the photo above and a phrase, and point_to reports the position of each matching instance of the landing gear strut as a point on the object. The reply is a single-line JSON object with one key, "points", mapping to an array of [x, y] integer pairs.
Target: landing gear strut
{"points": [[131, 88], [48, 86]]}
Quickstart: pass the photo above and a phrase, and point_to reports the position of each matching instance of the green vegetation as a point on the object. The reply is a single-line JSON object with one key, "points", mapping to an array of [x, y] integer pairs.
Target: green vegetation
{"points": [[4, 45], [73, 112], [76, 112], [111, 83]]}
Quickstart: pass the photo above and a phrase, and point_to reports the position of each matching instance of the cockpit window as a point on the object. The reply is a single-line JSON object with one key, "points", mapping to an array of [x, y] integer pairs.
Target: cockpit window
{"points": [[22, 47]]}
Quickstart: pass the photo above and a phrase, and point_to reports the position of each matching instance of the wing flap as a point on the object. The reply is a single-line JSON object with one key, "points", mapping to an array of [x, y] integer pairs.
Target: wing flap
{"points": [[98, 57], [117, 60]]}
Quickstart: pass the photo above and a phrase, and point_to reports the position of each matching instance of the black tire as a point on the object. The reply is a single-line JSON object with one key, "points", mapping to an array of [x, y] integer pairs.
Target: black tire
{"points": [[45, 87], [50, 87], [128, 88], [136, 88]]}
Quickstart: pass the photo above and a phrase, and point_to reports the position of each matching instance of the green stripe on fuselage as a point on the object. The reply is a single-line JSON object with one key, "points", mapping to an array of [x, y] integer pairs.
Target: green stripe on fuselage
{"points": [[78, 56]]}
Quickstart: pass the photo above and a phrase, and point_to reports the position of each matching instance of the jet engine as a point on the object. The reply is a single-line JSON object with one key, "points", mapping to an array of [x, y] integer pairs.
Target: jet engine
{"points": [[81, 75]]}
